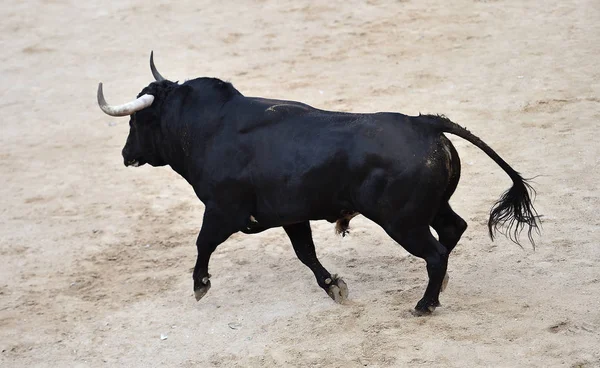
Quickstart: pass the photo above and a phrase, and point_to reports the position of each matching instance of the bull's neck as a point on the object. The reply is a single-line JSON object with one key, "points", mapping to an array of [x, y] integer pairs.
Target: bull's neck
{"points": [[176, 151]]}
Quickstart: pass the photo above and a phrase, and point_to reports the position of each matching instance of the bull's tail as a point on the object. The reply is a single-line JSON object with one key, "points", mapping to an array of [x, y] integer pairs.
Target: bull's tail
{"points": [[514, 210]]}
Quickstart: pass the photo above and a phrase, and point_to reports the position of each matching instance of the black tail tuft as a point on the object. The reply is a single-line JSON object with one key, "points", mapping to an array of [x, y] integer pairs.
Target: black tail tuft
{"points": [[514, 211]]}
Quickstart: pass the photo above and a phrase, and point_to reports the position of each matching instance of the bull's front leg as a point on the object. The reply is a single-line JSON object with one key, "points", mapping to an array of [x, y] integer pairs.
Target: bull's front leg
{"points": [[216, 228], [301, 238]]}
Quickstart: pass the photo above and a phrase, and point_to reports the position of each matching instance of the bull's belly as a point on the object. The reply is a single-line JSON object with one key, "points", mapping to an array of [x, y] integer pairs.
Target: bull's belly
{"points": [[289, 208]]}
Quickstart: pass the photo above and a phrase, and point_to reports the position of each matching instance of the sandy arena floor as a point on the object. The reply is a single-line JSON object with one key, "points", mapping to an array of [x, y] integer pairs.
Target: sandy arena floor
{"points": [[96, 258]]}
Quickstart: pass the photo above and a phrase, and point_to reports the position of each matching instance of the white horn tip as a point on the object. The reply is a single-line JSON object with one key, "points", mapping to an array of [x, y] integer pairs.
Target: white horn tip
{"points": [[100, 95], [126, 109]]}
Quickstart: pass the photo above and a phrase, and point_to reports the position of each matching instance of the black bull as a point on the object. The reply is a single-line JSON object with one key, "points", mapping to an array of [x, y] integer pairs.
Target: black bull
{"points": [[258, 163]]}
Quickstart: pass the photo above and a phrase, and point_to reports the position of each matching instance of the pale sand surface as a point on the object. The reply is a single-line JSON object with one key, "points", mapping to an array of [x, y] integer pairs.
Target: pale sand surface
{"points": [[96, 257]]}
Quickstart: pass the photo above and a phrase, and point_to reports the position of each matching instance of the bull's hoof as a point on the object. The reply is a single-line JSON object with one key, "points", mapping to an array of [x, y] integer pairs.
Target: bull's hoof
{"points": [[445, 282], [338, 290], [425, 307], [201, 288]]}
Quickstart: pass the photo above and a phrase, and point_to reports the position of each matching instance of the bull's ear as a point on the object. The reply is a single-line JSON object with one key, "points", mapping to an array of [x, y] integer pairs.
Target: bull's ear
{"points": [[181, 92], [177, 98]]}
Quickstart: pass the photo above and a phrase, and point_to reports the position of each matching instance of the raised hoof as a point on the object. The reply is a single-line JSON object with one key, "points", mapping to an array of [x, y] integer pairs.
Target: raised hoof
{"points": [[425, 308], [201, 288], [445, 282], [338, 290]]}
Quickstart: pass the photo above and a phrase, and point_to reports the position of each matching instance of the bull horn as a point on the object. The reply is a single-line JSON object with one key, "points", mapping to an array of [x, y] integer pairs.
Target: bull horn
{"points": [[155, 73], [126, 109]]}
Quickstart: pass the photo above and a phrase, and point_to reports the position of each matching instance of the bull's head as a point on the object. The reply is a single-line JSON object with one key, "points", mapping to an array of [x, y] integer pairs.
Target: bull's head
{"points": [[142, 144]]}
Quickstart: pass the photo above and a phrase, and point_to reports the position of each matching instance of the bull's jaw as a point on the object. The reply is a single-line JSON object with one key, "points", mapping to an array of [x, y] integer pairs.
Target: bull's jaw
{"points": [[134, 163]]}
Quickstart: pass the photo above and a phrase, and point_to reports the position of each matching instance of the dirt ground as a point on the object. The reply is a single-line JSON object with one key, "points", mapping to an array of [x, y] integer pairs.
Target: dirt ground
{"points": [[96, 258]]}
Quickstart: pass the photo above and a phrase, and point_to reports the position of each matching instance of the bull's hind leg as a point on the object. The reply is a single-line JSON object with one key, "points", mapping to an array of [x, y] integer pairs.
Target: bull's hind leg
{"points": [[301, 238], [449, 227], [421, 243]]}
